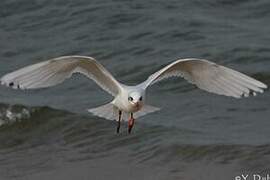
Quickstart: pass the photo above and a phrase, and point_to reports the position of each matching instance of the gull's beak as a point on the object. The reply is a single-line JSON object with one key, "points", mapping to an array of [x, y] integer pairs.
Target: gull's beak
{"points": [[137, 104]]}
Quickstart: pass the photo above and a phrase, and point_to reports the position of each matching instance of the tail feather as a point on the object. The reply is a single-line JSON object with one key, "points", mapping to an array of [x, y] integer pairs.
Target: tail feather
{"points": [[146, 110], [107, 111]]}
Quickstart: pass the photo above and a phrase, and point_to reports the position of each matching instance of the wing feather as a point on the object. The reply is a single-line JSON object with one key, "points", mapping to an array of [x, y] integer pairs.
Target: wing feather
{"points": [[209, 76], [55, 71]]}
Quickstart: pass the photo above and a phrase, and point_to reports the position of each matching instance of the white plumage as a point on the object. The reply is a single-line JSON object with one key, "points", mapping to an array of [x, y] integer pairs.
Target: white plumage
{"points": [[55, 71], [209, 76], [204, 74]]}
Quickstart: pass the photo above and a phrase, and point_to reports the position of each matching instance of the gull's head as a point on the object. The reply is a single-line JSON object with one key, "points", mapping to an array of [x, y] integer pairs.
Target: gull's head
{"points": [[136, 99]]}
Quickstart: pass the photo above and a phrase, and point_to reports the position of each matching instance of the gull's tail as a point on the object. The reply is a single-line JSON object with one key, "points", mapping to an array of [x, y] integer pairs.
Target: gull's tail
{"points": [[110, 112], [146, 109], [107, 111]]}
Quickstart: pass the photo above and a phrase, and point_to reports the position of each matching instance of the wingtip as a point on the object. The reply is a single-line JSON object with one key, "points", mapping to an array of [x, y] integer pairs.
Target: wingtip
{"points": [[261, 85], [264, 86], [10, 84], [4, 80], [3, 83]]}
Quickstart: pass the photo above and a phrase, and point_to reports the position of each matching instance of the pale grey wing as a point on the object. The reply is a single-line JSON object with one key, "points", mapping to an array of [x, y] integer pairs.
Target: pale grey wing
{"points": [[209, 76], [55, 71]]}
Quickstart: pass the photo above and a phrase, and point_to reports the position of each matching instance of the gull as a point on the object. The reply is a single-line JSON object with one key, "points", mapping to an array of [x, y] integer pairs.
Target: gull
{"points": [[130, 100]]}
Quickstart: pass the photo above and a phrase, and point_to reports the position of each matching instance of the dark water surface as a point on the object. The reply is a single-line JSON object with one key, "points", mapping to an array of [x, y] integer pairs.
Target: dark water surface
{"points": [[47, 134]]}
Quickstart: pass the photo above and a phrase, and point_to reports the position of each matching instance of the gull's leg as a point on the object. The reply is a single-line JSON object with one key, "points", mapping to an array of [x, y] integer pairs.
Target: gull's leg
{"points": [[130, 123], [119, 121]]}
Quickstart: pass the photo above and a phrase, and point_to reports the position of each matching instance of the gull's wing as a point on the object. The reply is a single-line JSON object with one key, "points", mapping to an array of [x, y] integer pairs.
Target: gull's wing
{"points": [[55, 71], [210, 77]]}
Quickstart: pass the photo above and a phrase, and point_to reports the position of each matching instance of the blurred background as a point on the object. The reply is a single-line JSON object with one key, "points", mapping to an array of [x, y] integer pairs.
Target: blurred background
{"points": [[48, 133]]}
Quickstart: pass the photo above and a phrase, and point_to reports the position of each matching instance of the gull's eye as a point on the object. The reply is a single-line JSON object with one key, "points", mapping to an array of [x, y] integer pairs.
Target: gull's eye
{"points": [[140, 98], [130, 98]]}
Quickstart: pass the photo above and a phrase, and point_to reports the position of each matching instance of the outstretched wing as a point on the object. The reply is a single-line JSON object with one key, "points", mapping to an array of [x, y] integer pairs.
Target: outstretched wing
{"points": [[209, 76], [55, 71]]}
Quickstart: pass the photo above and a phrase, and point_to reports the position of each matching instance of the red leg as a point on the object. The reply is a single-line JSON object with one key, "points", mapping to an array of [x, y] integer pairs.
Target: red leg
{"points": [[130, 123]]}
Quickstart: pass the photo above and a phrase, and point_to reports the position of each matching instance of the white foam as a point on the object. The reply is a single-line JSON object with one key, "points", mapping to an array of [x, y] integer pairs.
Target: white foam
{"points": [[10, 114]]}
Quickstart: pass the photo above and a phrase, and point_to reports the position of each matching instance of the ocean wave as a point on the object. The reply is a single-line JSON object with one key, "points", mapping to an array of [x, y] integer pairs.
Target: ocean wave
{"points": [[13, 113]]}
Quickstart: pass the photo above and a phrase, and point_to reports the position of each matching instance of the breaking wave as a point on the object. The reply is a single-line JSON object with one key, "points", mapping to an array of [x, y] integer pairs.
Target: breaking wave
{"points": [[13, 113]]}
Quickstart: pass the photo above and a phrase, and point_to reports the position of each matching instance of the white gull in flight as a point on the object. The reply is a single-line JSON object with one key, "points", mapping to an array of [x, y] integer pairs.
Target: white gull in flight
{"points": [[204, 74]]}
